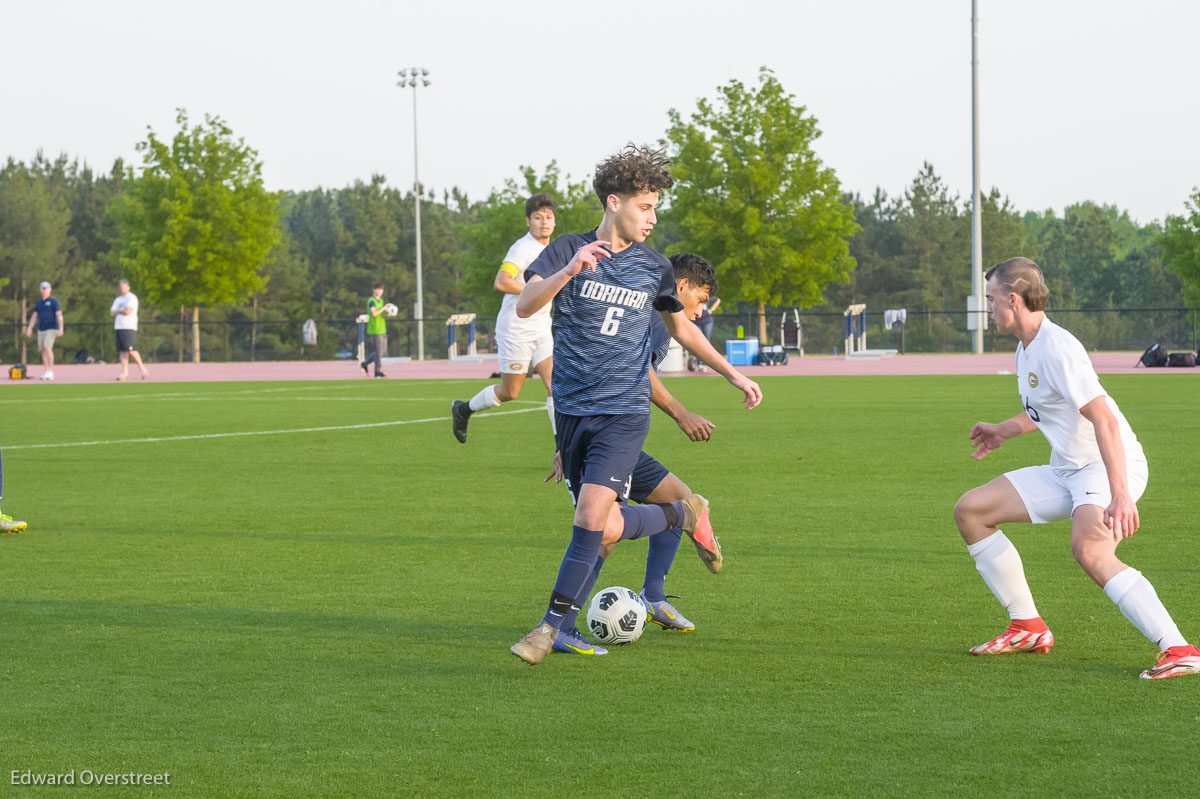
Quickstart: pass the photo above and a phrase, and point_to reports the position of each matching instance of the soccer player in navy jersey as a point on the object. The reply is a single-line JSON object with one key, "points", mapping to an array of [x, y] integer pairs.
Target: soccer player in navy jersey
{"points": [[606, 285], [695, 281]]}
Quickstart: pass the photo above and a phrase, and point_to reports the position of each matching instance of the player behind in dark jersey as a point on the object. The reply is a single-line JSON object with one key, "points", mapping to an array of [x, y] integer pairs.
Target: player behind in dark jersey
{"points": [[606, 285], [695, 282]]}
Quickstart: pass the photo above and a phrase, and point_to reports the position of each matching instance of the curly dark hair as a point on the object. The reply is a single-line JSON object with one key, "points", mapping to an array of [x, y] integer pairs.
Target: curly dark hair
{"points": [[632, 171], [537, 202], [696, 270]]}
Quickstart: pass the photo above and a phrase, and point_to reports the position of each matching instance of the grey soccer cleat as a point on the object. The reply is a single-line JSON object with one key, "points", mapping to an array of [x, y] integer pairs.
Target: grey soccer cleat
{"points": [[460, 414], [533, 647], [666, 616]]}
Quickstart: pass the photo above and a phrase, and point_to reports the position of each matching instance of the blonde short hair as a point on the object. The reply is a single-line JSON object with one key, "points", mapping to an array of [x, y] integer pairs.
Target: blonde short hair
{"points": [[1023, 277]]}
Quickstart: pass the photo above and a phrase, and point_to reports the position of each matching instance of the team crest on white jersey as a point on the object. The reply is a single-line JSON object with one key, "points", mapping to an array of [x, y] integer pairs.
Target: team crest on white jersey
{"points": [[613, 295], [1033, 380]]}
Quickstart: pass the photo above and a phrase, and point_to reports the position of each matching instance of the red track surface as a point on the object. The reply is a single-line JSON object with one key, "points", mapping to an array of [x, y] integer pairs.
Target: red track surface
{"points": [[987, 364]]}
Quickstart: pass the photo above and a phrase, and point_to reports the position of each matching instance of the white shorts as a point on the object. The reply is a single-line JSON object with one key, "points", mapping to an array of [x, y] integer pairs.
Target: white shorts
{"points": [[518, 357], [1052, 496]]}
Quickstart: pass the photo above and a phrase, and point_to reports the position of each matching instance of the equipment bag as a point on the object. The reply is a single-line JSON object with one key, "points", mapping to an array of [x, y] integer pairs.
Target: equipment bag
{"points": [[1154, 355], [1181, 359], [16, 371]]}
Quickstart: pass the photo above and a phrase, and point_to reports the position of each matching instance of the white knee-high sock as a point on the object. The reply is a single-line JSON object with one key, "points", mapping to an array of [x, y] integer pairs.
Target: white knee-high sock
{"points": [[1000, 566], [1139, 603], [550, 410], [484, 399]]}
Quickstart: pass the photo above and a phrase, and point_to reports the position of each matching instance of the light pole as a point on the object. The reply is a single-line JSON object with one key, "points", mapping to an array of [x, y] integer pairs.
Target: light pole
{"points": [[977, 305], [412, 76]]}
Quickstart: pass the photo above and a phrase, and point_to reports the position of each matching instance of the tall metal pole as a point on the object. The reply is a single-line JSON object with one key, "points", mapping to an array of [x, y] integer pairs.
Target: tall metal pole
{"points": [[420, 306], [410, 77], [976, 220]]}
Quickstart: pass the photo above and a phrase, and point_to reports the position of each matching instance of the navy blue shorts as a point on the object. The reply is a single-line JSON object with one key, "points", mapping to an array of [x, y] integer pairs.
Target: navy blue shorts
{"points": [[602, 450], [646, 476]]}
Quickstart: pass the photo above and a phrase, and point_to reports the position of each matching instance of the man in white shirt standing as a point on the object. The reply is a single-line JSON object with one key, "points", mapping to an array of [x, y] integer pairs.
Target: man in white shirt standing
{"points": [[125, 314], [520, 343], [1096, 474]]}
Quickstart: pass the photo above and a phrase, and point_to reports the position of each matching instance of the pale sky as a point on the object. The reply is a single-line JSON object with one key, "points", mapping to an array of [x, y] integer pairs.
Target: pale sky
{"points": [[1080, 100]]}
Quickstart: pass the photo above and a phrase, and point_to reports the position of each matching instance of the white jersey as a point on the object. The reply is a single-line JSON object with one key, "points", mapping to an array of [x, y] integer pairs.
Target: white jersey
{"points": [[1055, 378], [508, 325], [125, 321]]}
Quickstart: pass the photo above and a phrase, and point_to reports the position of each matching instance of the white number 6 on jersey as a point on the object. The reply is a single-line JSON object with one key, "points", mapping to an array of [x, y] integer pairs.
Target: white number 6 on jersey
{"points": [[612, 320]]}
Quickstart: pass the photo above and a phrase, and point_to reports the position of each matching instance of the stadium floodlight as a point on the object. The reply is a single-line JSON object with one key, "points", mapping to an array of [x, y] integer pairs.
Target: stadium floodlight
{"points": [[413, 75], [977, 308]]}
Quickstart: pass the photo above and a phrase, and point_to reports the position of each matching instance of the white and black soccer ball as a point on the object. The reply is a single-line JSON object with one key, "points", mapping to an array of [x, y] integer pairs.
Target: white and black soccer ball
{"points": [[616, 616], [391, 310]]}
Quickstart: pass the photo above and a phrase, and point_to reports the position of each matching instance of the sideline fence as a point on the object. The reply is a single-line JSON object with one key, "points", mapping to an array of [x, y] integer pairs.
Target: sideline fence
{"points": [[1120, 329]]}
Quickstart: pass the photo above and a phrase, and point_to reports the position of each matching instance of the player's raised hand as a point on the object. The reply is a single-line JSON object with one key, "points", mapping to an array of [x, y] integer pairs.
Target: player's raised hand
{"points": [[695, 426], [1121, 516], [751, 393], [587, 257], [556, 470], [985, 438]]}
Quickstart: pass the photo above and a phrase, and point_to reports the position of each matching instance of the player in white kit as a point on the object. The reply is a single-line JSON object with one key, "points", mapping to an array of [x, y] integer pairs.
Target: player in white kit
{"points": [[521, 344], [1096, 474]]}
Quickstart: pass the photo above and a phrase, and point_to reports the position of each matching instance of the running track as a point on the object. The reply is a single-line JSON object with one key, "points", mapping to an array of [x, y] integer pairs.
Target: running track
{"points": [[987, 364]]}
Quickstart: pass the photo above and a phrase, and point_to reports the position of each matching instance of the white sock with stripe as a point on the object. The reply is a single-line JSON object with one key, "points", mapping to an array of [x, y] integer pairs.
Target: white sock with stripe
{"points": [[484, 399], [1139, 603], [1000, 566]]}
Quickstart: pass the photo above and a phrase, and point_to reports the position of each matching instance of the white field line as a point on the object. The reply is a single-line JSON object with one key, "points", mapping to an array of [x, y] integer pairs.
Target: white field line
{"points": [[256, 432], [163, 395]]}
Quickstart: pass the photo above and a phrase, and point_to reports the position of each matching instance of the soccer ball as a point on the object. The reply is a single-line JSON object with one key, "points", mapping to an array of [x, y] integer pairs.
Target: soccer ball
{"points": [[616, 616], [391, 310]]}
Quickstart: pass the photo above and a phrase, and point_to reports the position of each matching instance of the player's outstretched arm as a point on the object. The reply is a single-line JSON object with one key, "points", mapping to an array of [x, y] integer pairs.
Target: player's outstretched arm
{"points": [[694, 341], [1121, 515], [986, 437], [694, 426], [539, 291]]}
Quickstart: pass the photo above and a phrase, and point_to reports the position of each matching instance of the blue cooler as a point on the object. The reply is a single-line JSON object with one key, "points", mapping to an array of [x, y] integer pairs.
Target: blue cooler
{"points": [[741, 351]]}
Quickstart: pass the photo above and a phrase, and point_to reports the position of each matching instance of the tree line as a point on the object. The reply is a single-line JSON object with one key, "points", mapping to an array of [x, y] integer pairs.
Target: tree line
{"points": [[199, 236]]}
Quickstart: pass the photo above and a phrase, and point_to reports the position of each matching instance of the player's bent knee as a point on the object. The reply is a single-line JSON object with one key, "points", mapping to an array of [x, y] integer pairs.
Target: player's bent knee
{"points": [[968, 511]]}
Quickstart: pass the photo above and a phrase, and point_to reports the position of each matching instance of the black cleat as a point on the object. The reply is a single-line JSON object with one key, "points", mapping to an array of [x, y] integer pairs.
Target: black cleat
{"points": [[460, 414], [363, 364]]}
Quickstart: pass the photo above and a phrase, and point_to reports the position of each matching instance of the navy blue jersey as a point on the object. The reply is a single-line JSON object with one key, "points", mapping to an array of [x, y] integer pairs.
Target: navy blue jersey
{"points": [[602, 326], [47, 313], [660, 341]]}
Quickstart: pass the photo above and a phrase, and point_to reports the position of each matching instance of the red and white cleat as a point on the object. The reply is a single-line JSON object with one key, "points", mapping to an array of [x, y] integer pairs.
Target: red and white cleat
{"points": [[698, 528], [1017, 639], [1174, 661]]}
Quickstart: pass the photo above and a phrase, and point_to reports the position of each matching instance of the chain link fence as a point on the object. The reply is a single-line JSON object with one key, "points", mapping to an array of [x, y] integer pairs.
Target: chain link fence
{"points": [[1119, 329], [1123, 329]]}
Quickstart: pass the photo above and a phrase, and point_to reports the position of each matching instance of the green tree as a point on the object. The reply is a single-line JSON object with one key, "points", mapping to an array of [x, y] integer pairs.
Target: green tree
{"points": [[753, 198], [197, 226], [492, 226], [33, 239], [1180, 241]]}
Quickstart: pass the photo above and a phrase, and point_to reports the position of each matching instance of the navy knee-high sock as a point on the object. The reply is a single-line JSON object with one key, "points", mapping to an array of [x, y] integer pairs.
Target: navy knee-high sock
{"points": [[658, 562], [577, 565], [641, 520], [569, 620]]}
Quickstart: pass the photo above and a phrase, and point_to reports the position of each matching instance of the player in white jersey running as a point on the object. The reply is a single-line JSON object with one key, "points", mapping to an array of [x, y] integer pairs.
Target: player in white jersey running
{"points": [[520, 343], [1096, 474]]}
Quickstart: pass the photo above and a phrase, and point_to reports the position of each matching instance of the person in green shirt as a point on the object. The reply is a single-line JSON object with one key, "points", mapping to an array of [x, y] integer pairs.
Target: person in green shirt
{"points": [[376, 331]]}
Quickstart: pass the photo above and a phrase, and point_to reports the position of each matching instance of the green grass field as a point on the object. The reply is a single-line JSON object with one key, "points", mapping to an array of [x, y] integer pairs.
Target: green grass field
{"points": [[328, 613]]}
